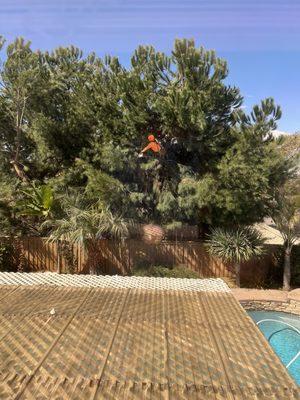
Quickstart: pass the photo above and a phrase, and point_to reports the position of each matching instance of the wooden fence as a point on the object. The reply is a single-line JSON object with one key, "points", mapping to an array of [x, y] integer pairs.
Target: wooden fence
{"points": [[119, 257]]}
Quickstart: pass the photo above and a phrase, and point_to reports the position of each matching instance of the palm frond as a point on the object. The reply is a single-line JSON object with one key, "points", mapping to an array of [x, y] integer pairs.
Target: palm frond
{"points": [[81, 225], [237, 245]]}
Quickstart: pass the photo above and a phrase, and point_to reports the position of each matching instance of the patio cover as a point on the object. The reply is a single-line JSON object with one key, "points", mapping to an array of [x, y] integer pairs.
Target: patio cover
{"points": [[131, 338]]}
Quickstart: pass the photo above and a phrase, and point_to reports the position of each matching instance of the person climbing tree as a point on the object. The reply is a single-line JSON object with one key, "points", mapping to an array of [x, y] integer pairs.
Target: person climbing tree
{"points": [[153, 145]]}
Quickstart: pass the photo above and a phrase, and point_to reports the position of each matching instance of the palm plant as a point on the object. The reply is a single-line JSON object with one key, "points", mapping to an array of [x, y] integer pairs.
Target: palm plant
{"points": [[287, 221], [236, 246], [86, 226]]}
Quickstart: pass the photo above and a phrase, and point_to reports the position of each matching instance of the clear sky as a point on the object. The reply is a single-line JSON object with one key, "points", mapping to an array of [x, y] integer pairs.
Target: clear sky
{"points": [[260, 39]]}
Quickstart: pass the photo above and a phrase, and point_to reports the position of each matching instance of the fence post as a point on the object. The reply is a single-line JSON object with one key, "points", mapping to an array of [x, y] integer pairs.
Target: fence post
{"points": [[58, 257]]}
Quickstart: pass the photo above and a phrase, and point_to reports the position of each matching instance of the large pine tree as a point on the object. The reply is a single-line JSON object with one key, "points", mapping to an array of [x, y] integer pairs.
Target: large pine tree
{"points": [[78, 123]]}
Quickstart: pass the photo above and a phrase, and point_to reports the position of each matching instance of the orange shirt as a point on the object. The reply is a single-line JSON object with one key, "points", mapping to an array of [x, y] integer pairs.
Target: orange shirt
{"points": [[154, 146]]}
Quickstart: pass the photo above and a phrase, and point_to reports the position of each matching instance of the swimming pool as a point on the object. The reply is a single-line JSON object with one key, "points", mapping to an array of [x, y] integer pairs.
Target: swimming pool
{"points": [[284, 340]]}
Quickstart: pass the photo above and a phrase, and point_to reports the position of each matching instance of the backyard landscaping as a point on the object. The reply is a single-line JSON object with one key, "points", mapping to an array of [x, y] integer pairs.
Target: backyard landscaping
{"points": [[131, 200], [75, 168]]}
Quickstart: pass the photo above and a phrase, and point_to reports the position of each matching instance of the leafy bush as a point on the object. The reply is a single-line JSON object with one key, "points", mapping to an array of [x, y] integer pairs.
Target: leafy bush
{"points": [[165, 272], [7, 261], [36, 201]]}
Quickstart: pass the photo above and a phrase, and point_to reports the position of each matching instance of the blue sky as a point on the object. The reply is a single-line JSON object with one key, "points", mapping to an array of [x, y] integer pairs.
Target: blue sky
{"points": [[260, 39]]}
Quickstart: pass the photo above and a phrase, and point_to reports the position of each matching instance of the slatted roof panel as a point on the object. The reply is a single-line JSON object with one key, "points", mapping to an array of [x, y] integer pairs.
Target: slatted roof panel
{"points": [[108, 281], [133, 343]]}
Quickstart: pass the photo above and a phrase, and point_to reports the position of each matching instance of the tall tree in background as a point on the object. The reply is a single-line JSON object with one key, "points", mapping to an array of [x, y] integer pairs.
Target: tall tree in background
{"points": [[286, 216], [285, 205], [79, 123], [20, 85]]}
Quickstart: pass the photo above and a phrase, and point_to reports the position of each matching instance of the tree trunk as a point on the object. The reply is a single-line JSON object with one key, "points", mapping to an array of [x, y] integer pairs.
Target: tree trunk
{"points": [[58, 257], [238, 274], [203, 230], [92, 261], [19, 171], [287, 269]]}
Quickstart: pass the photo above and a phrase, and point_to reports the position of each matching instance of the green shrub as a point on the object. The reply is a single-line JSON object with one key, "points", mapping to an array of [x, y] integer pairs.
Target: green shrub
{"points": [[7, 261], [183, 272], [165, 272]]}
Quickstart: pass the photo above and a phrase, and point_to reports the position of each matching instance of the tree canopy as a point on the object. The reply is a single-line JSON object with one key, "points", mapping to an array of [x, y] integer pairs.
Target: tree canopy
{"points": [[77, 123]]}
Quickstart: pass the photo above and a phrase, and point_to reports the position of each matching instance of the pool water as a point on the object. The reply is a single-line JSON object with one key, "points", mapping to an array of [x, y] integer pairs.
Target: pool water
{"points": [[283, 339]]}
